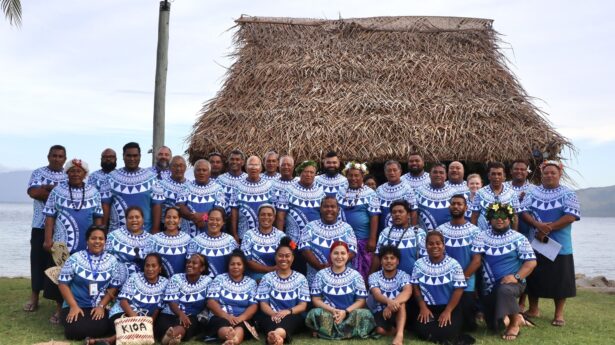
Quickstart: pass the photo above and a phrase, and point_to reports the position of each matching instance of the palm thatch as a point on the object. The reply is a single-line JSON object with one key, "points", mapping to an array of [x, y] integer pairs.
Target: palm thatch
{"points": [[373, 89]]}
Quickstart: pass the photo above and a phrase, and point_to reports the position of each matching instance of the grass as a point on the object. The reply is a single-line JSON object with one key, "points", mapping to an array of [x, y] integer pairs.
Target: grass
{"points": [[590, 320]]}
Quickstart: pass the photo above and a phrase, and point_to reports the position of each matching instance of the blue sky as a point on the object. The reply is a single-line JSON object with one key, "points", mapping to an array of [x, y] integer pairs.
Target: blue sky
{"points": [[81, 73]]}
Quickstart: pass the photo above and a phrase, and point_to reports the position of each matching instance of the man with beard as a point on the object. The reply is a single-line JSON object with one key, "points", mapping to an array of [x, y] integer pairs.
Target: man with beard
{"points": [[163, 160], [508, 259], [416, 176], [200, 196], [108, 162], [390, 289], [459, 235], [174, 186], [229, 179], [394, 189], [434, 198], [331, 181], [455, 178], [42, 182], [132, 186], [216, 164], [271, 166], [495, 191]]}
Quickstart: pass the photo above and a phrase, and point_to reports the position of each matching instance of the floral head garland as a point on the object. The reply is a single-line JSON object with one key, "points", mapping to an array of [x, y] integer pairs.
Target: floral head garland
{"points": [[554, 163], [500, 210], [75, 162], [362, 167], [309, 163]]}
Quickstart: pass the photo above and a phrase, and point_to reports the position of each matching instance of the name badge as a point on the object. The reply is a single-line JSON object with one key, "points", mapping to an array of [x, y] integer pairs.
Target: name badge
{"points": [[93, 289]]}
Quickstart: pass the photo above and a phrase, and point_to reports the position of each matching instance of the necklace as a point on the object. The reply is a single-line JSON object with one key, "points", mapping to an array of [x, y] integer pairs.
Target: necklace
{"points": [[72, 202], [354, 200]]}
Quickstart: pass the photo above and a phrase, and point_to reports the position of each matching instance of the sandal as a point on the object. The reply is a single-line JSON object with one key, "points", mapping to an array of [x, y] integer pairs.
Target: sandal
{"points": [[30, 307], [558, 323], [54, 319]]}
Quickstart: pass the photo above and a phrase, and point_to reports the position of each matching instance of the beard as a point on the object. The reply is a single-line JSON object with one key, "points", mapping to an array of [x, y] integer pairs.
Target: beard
{"points": [[162, 165], [108, 167], [415, 170], [331, 172]]}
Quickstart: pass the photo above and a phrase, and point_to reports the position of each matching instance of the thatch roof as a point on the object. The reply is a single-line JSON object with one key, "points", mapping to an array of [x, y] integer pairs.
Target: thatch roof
{"points": [[372, 89]]}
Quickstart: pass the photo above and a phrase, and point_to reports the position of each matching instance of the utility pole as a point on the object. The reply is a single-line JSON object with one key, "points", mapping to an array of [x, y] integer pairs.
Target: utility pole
{"points": [[162, 62]]}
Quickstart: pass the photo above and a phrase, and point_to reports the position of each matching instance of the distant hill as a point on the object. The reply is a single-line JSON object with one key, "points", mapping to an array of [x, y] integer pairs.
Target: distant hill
{"points": [[13, 185], [597, 202]]}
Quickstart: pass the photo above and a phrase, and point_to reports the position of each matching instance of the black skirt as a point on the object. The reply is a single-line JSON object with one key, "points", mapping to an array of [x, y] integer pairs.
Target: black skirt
{"points": [[164, 321], [292, 324], [215, 323], [552, 279]]}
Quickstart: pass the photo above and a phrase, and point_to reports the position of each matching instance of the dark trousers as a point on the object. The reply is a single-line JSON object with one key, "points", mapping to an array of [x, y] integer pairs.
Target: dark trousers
{"points": [[502, 301], [84, 326], [431, 331], [40, 260], [467, 304]]}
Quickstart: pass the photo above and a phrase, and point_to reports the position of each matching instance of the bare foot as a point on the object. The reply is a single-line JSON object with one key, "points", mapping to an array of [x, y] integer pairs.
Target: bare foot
{"points": [[398, 340], [230, 335], [511, 333], [271, 338]]}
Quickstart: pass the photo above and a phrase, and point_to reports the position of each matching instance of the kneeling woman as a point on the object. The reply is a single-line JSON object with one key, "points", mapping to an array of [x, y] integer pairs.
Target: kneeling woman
{"points": [[283, 296], [88, 281], [232, 301], [185, 298], [338, 294], [141, 294], [438, 283]]}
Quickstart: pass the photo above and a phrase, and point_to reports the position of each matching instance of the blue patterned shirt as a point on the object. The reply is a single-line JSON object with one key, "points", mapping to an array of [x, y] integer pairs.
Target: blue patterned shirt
{"points": [[201, 198], [548, 205], [523, 227], [459, 188], [418, 181], [234, 297], [410, 242], [74, 211], [331, 185], [247, 196], [485, 197], [357, 206], [173, 251], [271, 178], [302, 205], [42, 177], [217, 250], [318, 237], [338, 290], [83, 270], [98, 179], [279, 187], [128, 248], [433, 205], [172, 190], [503, 254], [131, 188], [228, 182], [458, 240], [437, 281], [142, 296], [191, 298], [260, 247], [283, 293], [389, 287], [387, 193]]}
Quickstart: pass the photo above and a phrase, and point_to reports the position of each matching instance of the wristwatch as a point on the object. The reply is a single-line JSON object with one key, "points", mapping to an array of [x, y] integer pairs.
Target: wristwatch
{"points": [[518, 277]]}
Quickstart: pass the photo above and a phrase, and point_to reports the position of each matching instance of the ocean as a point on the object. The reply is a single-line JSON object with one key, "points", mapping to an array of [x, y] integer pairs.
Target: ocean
{"points": [[592, 238]]}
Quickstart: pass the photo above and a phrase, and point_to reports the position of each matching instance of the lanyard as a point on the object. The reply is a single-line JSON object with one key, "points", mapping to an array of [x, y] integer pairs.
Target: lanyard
{"points": [[94, 271]]}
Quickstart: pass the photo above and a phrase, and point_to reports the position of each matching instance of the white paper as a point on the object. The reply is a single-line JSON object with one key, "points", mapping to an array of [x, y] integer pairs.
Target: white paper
{"points": [[549, 249]]}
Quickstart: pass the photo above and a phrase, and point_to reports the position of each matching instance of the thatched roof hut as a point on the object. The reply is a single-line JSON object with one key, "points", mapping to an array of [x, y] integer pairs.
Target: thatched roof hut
{"points": [[373, 89]]}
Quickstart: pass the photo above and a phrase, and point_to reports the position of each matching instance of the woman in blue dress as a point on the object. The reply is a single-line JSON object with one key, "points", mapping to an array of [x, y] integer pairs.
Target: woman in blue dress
{"points": [[172, 244], [283, 296], [438, 283], [141, 295], [185, 298], [88, 281], [130, 243], [259, 245], [216, 245], [338, 294], [232, 303]]}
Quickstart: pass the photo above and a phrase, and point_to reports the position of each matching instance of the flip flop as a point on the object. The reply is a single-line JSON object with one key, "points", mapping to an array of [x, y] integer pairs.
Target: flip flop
{"points": [[54, 319], [558, 323], [30, 307]]}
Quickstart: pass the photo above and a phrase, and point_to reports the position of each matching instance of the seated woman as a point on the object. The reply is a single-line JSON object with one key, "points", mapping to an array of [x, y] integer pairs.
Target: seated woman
{"points": [[508, 259], [390, 289], [283, 296], [214, 244], [88, 282], [185, 299], [142, 293], [438, 284], [260, 244], [128, 244], [338, 294], [231, 302], [172, 244]]}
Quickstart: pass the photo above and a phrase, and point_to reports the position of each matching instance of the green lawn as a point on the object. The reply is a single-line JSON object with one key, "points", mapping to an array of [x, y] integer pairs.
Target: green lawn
{"points": [[590, 320]]}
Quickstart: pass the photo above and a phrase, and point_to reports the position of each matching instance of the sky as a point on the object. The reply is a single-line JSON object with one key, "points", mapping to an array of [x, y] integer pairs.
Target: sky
{"points": [[81, 73]]}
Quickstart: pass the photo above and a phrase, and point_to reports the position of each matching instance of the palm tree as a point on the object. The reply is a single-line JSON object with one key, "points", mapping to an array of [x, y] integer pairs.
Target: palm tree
{"points": [[12, 11]]}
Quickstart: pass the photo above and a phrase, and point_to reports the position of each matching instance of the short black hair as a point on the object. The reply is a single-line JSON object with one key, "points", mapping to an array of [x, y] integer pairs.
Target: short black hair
{"points": [[331, 154], [438, 165], [237, 152], [215, 153], [401, 202], [131, 145], [389, 249], [134, 208], [56, 147], [169, 209], [163, 271], [205, 262], [495, 165], [218, 209], [238, 253], [460, 196], [431, 233], [93, 228]]}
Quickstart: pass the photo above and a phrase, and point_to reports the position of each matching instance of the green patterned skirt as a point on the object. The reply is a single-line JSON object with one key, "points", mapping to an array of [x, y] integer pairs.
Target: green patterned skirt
{"points": [[359, 324]]}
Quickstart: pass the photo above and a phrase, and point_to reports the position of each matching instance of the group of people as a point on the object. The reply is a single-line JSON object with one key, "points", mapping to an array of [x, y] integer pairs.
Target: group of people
{"points": [[231, 253]]}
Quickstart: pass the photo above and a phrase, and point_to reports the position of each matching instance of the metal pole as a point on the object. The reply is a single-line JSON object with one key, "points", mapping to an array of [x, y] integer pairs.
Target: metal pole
{"points": [[162, 63]]}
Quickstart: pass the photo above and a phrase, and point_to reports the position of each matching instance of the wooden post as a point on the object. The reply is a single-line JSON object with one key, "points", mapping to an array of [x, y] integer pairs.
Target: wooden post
{"points": [[162, 63]]}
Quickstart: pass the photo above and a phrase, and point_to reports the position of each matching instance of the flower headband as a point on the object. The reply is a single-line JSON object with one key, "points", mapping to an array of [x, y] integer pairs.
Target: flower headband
{"points": [[500, 210], [554, 163], [355, 165], [75, 162], [309, 163]]}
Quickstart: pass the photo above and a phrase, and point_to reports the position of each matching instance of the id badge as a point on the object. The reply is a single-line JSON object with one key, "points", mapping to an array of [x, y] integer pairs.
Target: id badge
{"points": [[93, 289]]}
